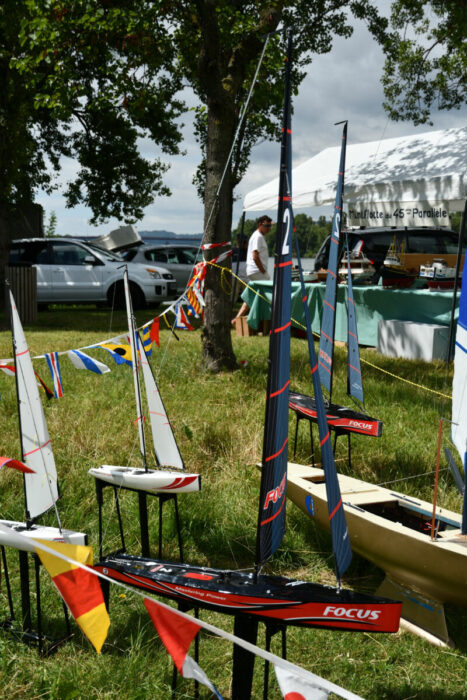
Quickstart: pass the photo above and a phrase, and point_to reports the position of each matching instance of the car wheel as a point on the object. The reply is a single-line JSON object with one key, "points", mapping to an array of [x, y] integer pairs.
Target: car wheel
{"points": [[116, 296], [138, 299]]}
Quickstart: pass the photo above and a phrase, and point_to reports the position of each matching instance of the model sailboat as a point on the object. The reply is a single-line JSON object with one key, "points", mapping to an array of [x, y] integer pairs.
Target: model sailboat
{"points": [[170, 476], [40, 483], [340, 418], [421, 548], [259, 596]]}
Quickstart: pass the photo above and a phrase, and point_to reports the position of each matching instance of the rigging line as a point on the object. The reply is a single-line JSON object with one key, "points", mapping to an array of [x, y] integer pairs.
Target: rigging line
{"points": [[403, 379], [406, 478], [240, 123]]}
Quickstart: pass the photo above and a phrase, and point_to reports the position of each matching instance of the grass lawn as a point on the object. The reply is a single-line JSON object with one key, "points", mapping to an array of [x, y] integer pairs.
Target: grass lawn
{"points": [[218, 421]]}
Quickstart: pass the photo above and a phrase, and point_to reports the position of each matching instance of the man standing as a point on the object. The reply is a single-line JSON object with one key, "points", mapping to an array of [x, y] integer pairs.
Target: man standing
{"points": [[257, 258]]}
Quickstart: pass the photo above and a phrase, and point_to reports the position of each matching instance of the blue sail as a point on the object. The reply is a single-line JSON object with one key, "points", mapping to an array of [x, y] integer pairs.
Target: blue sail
{"points": [[328, 322], [354, 373], [271, 516], [338, 525]]}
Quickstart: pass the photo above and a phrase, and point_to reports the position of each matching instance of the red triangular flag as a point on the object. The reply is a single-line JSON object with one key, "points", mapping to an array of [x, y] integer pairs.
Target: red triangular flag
{"points": [[176, 632], [15, 464], [154, 333]]}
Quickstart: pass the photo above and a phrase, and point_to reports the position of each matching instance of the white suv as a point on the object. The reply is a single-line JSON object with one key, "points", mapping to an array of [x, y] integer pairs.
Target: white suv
{"points": [[72, 272]]}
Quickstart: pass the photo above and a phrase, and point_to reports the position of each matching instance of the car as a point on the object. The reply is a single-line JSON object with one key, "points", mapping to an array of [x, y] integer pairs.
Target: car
{"points": [[72, 272], [178, 259], [420, 245]]}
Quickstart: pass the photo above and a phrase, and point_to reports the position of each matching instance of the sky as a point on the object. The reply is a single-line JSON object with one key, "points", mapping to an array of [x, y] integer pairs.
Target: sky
{"points": [[343, 84]]}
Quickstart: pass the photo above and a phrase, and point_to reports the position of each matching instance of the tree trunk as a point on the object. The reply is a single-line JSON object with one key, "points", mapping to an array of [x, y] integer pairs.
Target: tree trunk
{"points": [[217, 353]]}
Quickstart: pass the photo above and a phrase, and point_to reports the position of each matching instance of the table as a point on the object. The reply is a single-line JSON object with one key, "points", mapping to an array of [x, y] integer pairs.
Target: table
{"points": [[372, 304]]}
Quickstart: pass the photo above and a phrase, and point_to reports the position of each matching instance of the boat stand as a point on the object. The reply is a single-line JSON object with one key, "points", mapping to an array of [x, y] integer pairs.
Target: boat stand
{"points": [[143, 516], [46, 645], [337, 433]]}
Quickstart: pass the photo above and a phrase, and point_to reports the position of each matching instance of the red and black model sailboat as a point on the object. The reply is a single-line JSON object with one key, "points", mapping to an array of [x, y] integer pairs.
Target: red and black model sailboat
{"points": [[258, 596], [342, 419]]}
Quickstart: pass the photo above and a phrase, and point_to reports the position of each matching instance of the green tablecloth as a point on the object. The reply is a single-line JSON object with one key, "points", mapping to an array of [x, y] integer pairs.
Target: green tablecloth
{"points": [[372, 304]]}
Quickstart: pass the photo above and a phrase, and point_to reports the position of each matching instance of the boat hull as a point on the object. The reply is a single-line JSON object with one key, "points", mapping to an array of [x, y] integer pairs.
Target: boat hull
{"points": [[338, 417], [393, 532], [270, 598], [152, 481], [15, 534]]}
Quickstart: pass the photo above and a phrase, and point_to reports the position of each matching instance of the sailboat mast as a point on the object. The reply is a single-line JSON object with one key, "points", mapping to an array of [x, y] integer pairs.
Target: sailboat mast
{"points": [[271, 515], [354, 372], [328, 324], [134, 368]]}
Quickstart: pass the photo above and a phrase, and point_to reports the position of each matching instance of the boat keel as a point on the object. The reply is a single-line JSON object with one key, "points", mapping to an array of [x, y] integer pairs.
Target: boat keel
{"points": [[420, 615]]}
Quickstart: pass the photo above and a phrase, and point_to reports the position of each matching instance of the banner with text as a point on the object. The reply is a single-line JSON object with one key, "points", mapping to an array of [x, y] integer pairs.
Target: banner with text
{"points": [[398, 214]]}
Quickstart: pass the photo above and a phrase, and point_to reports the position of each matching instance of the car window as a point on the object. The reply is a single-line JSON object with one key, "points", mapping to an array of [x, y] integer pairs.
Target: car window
{"points": [[159, 256], [69, 254], [128, 255], [186, 256], [30, 253], [425, 243], [105, 254]]}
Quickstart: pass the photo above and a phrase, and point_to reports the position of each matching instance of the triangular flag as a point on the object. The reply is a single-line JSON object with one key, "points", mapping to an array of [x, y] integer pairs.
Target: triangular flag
{"points": [[154, 333], [146, 340], [82, 361], [54, 366], [121, 353], [15, 464], [8, 369], [80, 589], [295, 688], [181, 321], [177, 634]]}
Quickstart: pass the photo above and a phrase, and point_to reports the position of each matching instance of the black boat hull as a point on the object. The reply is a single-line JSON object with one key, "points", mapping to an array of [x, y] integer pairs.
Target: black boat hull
{"points": [[269, 598], [339, 418]]}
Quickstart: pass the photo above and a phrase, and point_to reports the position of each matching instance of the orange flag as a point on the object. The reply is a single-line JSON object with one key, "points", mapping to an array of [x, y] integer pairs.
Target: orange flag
{"points": [[80, 589]]}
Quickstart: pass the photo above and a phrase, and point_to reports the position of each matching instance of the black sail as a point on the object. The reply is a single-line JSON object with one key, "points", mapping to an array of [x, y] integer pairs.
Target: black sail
{"points": [[271, 518]]}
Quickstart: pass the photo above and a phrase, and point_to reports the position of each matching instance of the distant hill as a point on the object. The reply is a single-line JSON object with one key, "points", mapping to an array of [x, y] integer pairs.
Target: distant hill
{"points": [[170, 237]]}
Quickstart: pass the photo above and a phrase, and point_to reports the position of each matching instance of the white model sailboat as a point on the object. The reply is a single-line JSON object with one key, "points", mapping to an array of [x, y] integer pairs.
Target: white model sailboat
{"points": [[41, 484], [170, 477]]}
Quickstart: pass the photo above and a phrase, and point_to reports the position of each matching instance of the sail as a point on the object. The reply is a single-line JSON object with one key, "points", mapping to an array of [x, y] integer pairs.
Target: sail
{"points": [[459, 390], [271, 517], [165, 446], [134, 368], [328, 322], [354, 374], [338, 525], [41, 488]]}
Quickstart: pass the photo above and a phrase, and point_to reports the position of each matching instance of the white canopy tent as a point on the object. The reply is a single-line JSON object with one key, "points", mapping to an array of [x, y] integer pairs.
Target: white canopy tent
{"points": [[429, 167]]}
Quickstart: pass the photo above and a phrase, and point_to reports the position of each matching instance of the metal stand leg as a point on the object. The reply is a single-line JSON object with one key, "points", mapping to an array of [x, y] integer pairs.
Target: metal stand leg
{"points": [[143, 523], [312, 444], [25, 595], [272, 629], [243, 661], [296, 435], [119, 517], [7, 583]]}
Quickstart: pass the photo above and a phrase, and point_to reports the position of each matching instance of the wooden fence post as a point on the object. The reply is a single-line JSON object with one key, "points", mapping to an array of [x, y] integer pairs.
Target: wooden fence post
{"points": [[23, 283]]}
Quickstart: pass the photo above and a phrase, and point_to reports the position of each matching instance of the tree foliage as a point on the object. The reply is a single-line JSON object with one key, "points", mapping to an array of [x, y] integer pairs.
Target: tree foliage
{"points": [[86, 80], [426, 65]]}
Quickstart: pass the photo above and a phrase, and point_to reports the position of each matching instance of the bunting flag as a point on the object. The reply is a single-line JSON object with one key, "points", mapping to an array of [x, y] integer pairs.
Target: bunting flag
{"points": [[146, 340], [177, 634], [295, 688], [192, 304], [80, 360], [10, 370], [54, 367], [79, 588], [15, 464], [121, 353], [181, 321], [154, 332]]}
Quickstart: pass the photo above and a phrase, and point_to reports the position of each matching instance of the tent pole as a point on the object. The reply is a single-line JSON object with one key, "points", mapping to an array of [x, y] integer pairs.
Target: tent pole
{"points": [[454, 294]]}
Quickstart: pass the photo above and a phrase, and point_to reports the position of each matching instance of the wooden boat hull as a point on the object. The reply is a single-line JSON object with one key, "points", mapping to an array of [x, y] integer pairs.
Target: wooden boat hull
{"points": [[339, 417], [269, 598], [152, 481], [393, 531], [14, 534]]}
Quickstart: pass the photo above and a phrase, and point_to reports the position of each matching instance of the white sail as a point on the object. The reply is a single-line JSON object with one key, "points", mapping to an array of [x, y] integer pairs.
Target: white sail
{"points": [[165, 445], [459, 385], [41, 487]]}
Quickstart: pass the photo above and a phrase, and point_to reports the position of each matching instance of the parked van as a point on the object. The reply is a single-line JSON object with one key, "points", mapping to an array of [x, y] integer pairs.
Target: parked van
{"points": [[416, 246]]}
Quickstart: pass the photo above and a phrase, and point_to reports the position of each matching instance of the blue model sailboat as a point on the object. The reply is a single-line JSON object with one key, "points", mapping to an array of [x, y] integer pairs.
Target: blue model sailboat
{"points": [[341, 419]]}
